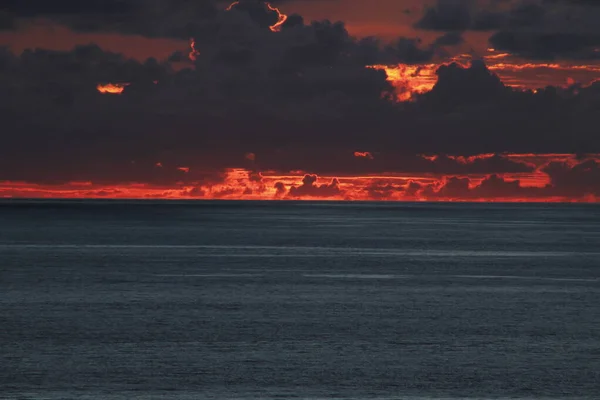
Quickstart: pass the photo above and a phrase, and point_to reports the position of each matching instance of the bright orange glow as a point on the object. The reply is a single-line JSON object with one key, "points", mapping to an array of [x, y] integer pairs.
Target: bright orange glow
{"points": [[409, 80], [281, 18], [112, 88], [497, 56], [363, 154], [356, 189], [241, 184], [412, 80]]}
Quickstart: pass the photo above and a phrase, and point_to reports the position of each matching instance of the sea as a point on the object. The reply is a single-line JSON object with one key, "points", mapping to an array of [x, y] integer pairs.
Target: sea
{"points": [[298, 300]]}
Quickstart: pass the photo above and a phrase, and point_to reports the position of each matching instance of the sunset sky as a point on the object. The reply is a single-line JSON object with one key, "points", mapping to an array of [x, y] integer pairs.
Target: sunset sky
{"points": [[415, 100]]}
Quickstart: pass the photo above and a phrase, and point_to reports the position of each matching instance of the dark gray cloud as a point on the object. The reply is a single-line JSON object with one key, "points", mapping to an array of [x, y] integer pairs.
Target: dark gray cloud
{"points": [[307, 116], [449, 39], [576, 181], [580, 180], [299, 99], [160, 18], [536, 29], [548, 46], [32, 8], [463, 15], [7, 21], [446, 15], [310, 188]]}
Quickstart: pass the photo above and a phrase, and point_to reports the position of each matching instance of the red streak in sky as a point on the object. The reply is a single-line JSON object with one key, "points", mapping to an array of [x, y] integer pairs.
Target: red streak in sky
{"points": [[470, 159], [281, 18], [235, 3]]}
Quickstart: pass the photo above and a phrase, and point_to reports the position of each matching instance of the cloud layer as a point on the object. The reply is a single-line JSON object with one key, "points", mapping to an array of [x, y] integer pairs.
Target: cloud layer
{"points": [[274, 96]]}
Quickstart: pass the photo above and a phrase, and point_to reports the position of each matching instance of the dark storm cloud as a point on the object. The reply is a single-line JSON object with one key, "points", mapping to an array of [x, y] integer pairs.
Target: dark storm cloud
{"points": [[545, 30], [31, 8], [310, 188], [492, 187], [248, 77], [161, 18], [7, 21], [299, 99], [580, 179], [591, 3], [179, 19], [457, 85], [342, 162], [446, 15], [567, 180], [449, 39], [548, 46], [463, 15], [59, 128]]}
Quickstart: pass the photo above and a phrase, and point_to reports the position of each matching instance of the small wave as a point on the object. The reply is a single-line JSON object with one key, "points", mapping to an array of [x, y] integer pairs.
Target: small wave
{"points": [[218, 275], [357, 276], [529, 278], [304, 251]]}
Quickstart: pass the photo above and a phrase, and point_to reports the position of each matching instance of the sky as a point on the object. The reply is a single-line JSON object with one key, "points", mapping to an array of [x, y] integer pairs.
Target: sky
{"points": [[385, 100]]}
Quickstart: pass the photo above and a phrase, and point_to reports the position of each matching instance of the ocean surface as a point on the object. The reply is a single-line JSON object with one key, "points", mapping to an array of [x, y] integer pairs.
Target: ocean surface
{"points": [[241, 300]]}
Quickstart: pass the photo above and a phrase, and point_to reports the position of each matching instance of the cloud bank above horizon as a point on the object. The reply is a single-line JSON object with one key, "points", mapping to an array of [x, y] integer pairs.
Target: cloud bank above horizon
{"points": [[254, 102]]}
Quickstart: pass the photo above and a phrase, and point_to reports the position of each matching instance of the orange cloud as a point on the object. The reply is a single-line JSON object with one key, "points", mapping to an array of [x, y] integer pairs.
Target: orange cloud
{"points": [[363, 154], [409, 80], [471, 159], [112, 88], [412, 80], [574, 176]]}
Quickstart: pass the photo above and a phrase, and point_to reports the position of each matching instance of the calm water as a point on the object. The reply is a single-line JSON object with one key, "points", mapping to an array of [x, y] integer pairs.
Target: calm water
{"points": [[105, 300]]}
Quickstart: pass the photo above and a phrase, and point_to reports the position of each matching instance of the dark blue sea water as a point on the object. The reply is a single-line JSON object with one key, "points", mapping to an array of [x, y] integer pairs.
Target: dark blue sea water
{"points": [[144, 300]]}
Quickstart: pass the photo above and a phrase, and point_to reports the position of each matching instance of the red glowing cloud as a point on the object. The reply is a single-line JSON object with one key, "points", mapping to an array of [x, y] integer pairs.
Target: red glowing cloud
{"points": [[558, 178], [112, 88], [363, 154], [286, 123]]}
